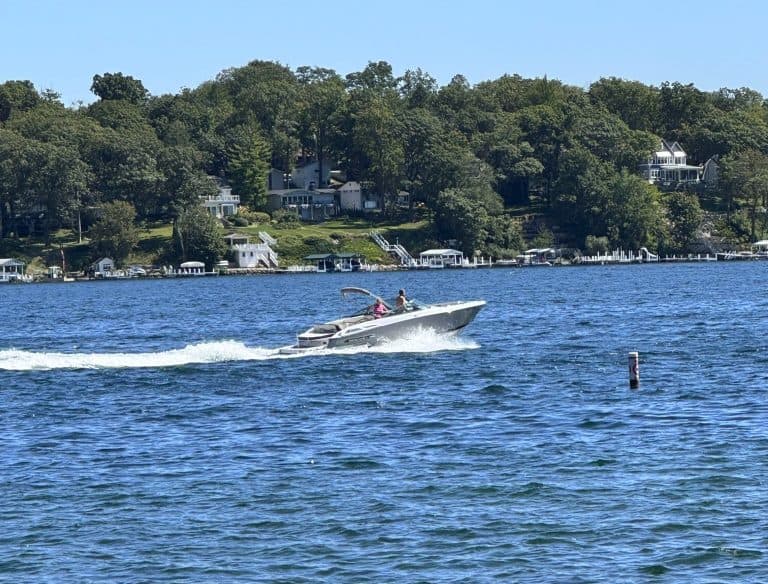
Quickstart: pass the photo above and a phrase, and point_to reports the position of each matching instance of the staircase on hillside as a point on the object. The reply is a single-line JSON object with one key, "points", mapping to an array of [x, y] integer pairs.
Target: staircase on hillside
{"points": [[271, 256], [267, 238], [406, 259]]}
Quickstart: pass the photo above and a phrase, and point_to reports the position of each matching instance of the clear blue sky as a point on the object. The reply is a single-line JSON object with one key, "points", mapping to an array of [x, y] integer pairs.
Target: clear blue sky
{"points": [[171, 44]]}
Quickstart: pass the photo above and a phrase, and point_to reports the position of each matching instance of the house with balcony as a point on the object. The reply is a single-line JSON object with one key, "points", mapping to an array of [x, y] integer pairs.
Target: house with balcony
{"points": [[223, 204], [668, 167], [308, 204]]}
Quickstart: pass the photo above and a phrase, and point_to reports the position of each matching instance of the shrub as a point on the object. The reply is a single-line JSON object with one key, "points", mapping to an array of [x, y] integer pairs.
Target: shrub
{"points": [[594, 244], [253, 217], [285, 219]]}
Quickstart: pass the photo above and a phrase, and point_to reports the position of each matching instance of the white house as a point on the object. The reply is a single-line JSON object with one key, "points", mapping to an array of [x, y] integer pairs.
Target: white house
{"points": [[223, 203], [103, 267], [668, 166]]}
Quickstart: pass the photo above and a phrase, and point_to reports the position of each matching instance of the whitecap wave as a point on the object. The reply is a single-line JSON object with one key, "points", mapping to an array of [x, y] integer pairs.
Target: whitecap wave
{"points": [[214, 352]]}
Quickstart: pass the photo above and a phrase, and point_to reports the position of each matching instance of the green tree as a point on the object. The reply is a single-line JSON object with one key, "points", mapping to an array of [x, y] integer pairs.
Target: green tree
{"points": [[584, 193], [183, 180], [17, 96], [126, 169], [684, 216], [633, 216], [505, 149], [744, 183], [376, 77], [417, 88], [248, 166], [635, 103], [432, 155], [378, 145], [543, 127], [504, 237], [198, 236], [115, 233], [17, 169], [458, 216], [322, 101], [460, 107], [61, 178], [114, 86], [263, 94], [679, 105], [39, 179]]}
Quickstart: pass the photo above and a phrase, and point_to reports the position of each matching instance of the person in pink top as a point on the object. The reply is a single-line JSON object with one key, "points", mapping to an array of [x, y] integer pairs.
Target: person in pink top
{"points": [[379, 309]]}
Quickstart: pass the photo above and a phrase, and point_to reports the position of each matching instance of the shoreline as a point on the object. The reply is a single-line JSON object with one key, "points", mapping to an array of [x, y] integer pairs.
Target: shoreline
{"points": [[381, 268]]}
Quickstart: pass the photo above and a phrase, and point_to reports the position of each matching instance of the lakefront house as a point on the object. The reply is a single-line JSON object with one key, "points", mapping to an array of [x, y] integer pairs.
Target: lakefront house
{"points": [[223, 203], [668, 167]]}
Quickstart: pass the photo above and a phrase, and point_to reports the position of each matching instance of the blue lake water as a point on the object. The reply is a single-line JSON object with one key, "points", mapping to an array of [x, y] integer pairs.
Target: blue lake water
{"points": [[152, 433]]}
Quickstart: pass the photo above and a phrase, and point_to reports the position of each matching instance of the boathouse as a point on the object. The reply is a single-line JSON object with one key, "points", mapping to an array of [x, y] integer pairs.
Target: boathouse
{"points": [[441, 258], [103, 267], [337, 262], [12, 270]]}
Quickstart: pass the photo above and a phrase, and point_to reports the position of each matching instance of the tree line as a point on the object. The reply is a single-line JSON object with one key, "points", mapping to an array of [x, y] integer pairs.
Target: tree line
{"points": [[473, 158]]}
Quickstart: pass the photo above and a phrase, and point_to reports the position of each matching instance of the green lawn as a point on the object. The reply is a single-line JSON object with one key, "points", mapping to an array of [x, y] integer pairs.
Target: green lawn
{"points": [[342, 235]]}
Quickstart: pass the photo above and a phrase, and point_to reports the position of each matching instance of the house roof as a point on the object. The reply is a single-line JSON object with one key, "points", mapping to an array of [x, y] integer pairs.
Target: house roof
{"points": [[192, 265], [333, 256], [672, 146], [441, 252], [282, 192], [10, 262]]}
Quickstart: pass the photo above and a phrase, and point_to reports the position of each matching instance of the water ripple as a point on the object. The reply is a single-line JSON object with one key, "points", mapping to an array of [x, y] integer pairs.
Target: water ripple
{"points": [[193, 452]]}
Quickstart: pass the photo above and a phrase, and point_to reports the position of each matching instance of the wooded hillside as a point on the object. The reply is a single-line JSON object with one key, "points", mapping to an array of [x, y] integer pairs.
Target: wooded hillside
{"points": [[473, 158]]}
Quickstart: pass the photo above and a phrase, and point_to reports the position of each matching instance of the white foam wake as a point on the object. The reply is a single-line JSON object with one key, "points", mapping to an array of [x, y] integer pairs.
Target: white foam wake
{"points": [[425, 341], [212, 352]]}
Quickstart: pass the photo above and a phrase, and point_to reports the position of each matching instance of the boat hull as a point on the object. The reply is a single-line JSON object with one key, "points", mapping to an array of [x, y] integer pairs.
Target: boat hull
{"points": [[443, 318]]}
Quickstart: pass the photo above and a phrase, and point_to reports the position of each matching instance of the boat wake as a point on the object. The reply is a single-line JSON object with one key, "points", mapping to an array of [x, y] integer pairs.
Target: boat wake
{"points": [[210, 352]]}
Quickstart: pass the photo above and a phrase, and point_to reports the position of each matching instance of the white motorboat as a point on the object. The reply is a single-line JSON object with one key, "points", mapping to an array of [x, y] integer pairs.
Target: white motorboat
{"points": [[364, 328]]}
